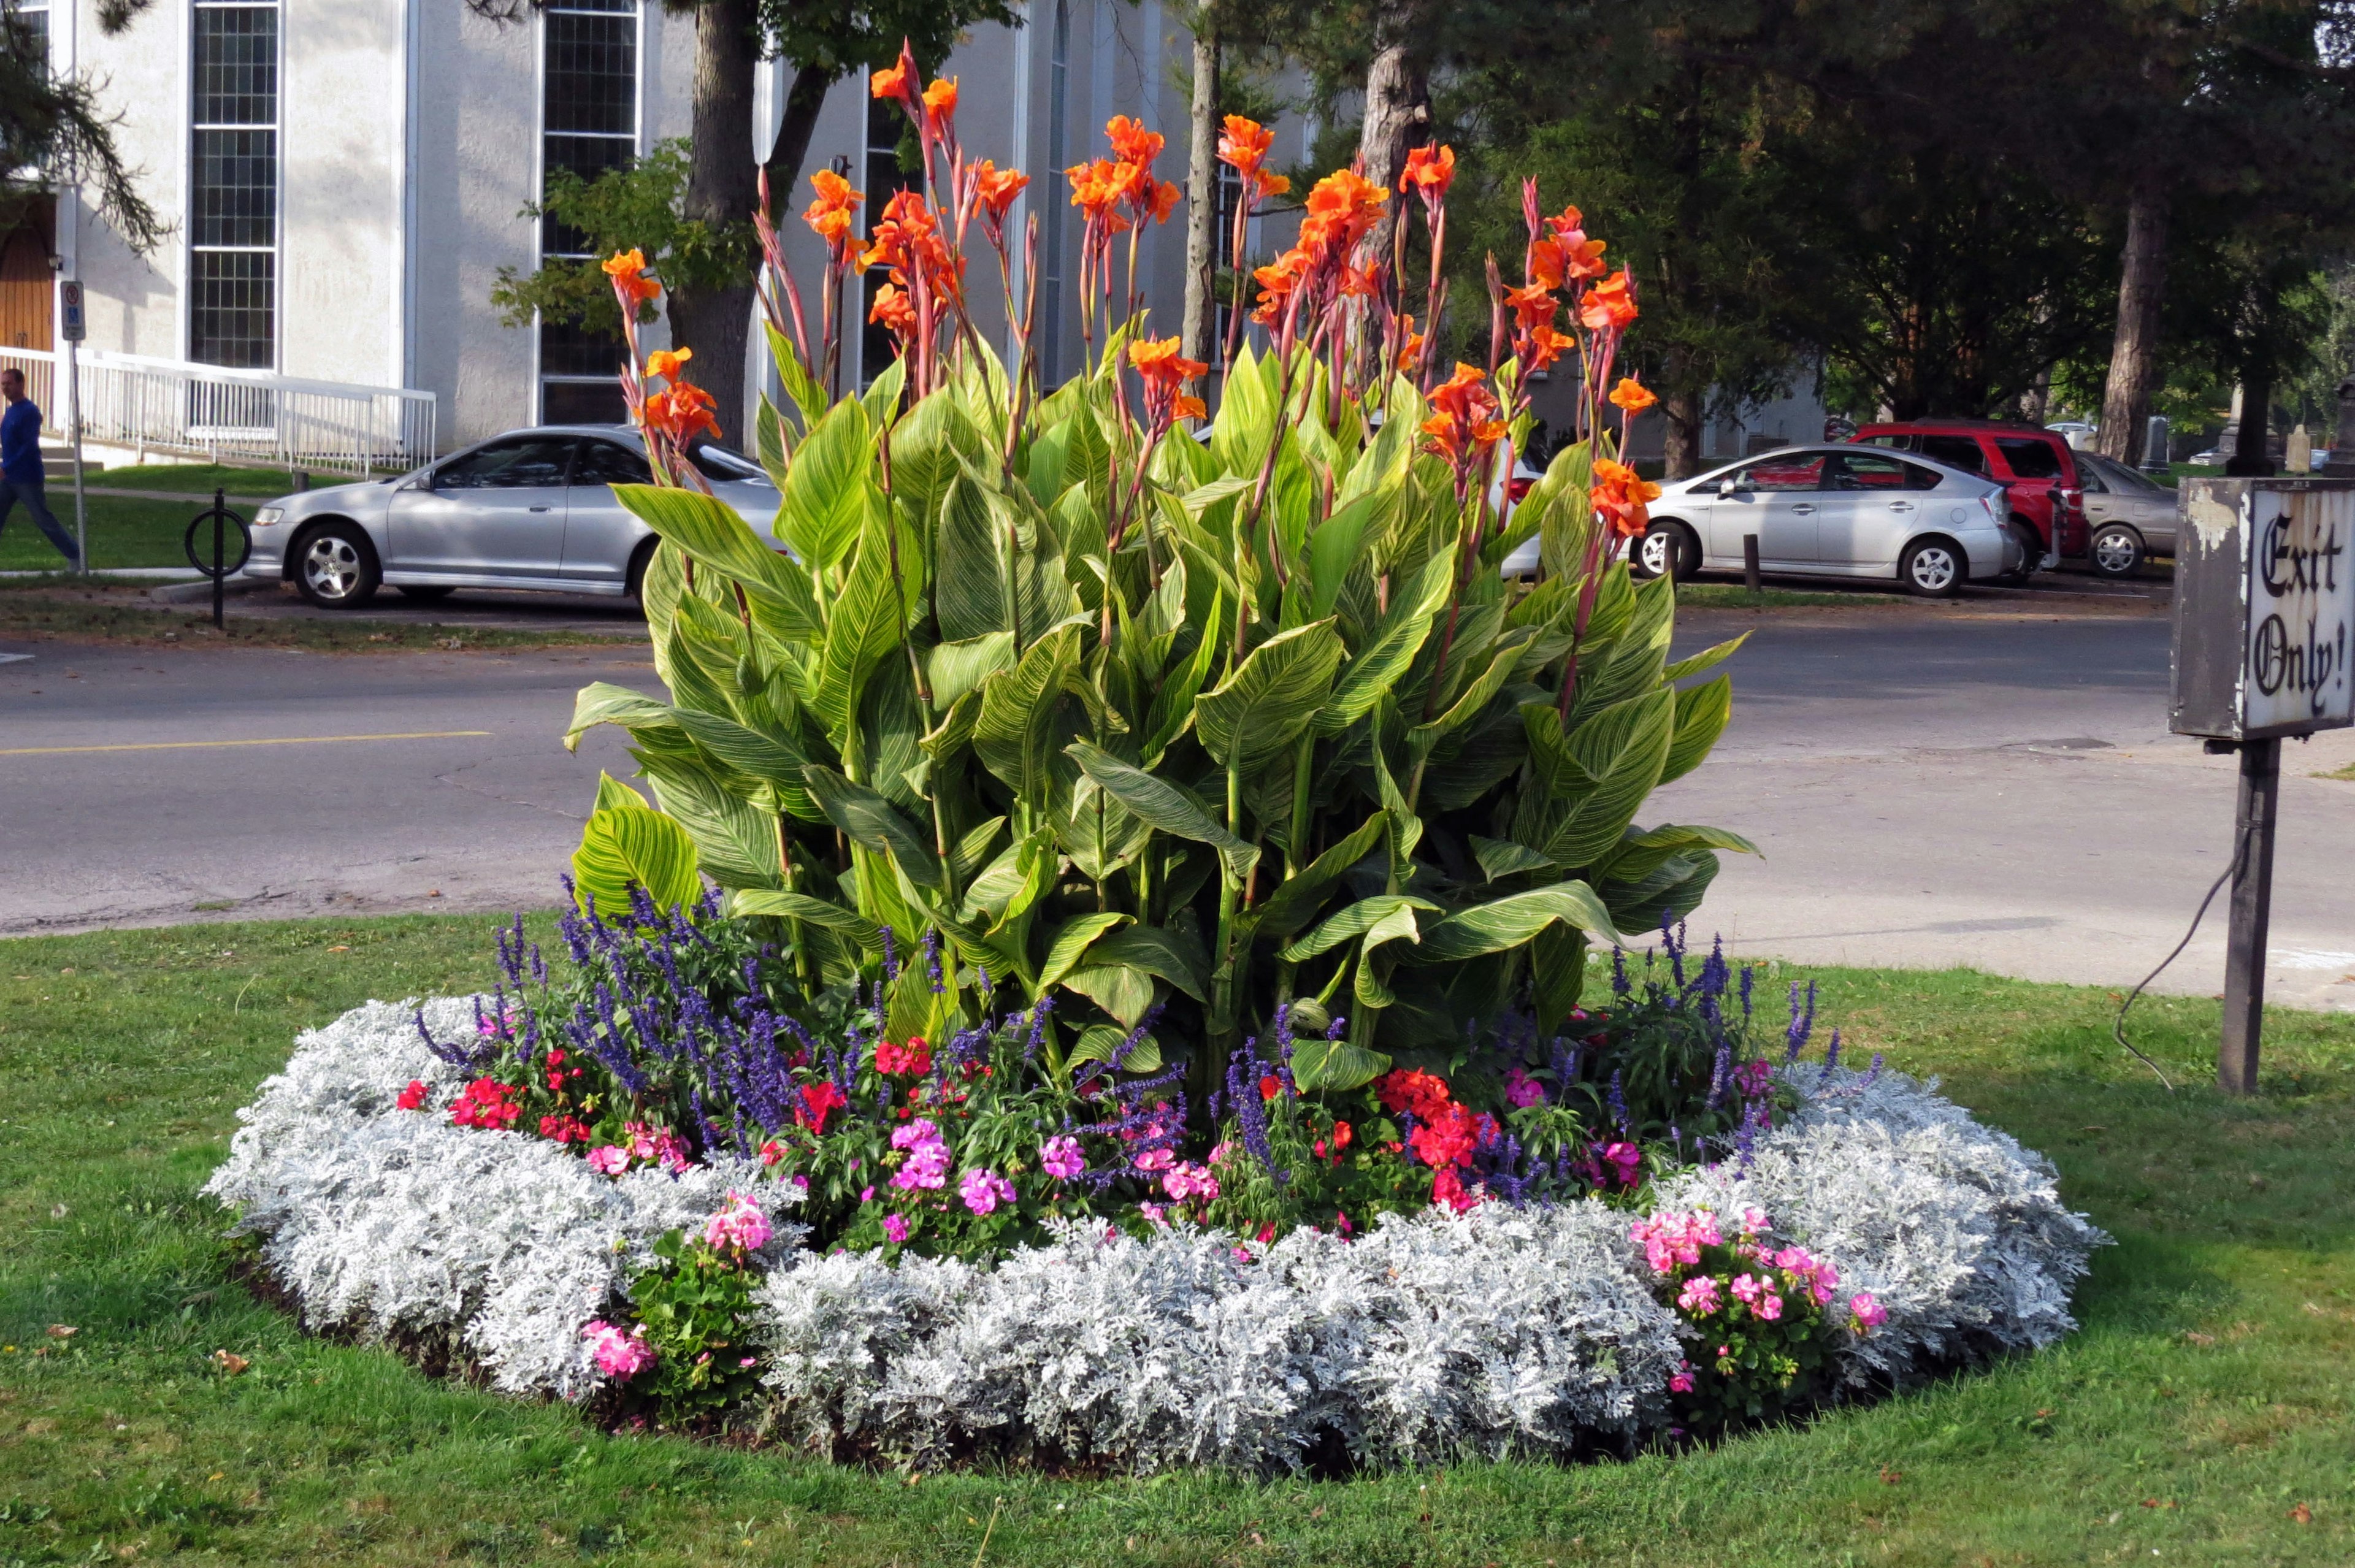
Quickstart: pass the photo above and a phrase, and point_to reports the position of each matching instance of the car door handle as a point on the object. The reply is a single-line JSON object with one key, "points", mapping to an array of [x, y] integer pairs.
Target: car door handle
{"points": [[1901, 505], [539, 509], [1802, 508]]}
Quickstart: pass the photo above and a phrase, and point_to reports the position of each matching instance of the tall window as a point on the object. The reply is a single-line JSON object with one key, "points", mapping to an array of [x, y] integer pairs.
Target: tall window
{"points": [[233, 185], [1051, 277], [589, 123], [33, 16], [887, 128]]}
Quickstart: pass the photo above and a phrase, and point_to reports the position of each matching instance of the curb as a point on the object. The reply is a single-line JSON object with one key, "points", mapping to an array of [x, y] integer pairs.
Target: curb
{"points": [[188, 593]]}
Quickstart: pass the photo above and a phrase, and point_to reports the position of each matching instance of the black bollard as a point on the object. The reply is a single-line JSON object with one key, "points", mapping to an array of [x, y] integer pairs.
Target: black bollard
{"points": [[220, 516]]}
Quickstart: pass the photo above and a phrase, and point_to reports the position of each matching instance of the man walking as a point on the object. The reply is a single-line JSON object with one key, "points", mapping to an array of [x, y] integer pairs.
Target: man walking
{"points": [[20, 465]]}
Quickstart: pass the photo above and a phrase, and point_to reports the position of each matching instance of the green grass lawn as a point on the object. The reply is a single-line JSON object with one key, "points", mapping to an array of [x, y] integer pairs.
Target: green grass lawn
{"points": [[203, 478], [2203, 1415], [121, 533], [69, 610]]}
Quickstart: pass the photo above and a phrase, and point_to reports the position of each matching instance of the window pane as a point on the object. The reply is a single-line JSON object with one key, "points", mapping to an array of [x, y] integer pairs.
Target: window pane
{"points": [[593, 74], [236, 65], [1798, 471], [1870, 470], [526, 462], [235, 199], [602, 463], [2028, 458], [569, 350], [583, 402], [588, 118], [232, 296], [1960, 452]]}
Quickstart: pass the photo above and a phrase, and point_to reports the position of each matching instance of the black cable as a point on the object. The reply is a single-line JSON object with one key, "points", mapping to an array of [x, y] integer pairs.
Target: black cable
{"points": [[2118, 1025]]}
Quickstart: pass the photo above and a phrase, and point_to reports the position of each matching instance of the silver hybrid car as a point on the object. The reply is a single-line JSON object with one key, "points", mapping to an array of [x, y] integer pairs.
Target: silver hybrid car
{"points": [[532, 508], [1834, 511]]}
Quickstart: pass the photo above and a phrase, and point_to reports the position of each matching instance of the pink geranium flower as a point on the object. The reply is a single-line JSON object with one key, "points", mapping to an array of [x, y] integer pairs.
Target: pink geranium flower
{"points": [[983, 1190], [611, 1160], [1868, 1313], [619, 1353], [1699, 1295], [896, 1227], [1060, 1157], [739, 1226]]}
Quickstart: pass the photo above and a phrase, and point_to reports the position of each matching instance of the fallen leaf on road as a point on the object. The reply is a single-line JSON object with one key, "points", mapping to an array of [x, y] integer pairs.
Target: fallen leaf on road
{"points": [[231, 1362]]}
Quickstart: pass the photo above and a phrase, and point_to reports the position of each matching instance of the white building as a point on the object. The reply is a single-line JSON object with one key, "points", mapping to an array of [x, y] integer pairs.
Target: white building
{"points": [[347, 180]]}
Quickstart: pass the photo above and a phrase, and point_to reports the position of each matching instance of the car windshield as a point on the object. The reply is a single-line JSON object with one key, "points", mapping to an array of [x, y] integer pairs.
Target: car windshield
{"points": [[1961, 452], [1784, 471], [2118, 476], [1870, 470], [718, 463]]}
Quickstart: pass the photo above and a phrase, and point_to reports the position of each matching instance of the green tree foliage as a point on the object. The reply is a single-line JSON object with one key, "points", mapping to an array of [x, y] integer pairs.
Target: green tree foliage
{"points": [[640, 205], [55, 130]]}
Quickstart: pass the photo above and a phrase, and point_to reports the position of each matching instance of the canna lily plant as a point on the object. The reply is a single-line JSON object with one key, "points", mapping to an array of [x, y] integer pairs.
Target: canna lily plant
{"points": [[1175, 725]]}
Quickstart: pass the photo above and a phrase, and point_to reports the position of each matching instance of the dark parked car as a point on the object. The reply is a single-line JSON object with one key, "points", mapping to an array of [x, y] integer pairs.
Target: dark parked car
{"points": [[2034, 465]]}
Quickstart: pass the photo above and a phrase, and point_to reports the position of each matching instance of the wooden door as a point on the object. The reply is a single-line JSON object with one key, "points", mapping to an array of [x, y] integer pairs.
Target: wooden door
{"points": [[27, 290]]}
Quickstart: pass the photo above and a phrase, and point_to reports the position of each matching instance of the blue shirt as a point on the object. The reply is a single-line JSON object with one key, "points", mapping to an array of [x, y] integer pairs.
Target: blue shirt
{"points": [[20, 443]]}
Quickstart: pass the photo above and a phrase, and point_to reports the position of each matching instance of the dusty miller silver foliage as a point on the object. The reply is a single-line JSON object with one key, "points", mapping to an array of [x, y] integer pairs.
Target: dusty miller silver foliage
{"points": [[1501, 1332]]}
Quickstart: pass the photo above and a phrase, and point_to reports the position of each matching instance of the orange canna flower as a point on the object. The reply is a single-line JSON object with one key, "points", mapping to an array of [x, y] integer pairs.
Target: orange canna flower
{"points": [[893, 309], [1131, 142], [900, 81], [1466, 423], [996, 188], [1532, 305], [833, 214], [1163, 201], [627, 269], [1276, 283], [1413, 347], [1619, 495], [1567, 221], [1356, 283], [680, 413], [1098, 187], [1343, 207], [1582, 258], [1546, 345], [1609, 305], [665, 362], [1191, 408], [1163, 370], [1244, 146], [1633, 395], [940, 101], [1271, 184], [1429, 170]]}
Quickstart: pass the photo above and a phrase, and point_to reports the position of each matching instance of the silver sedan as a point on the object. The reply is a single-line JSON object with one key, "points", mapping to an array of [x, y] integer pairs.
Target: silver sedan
{"points": [[532, 508], [2133, 515], [1836, 511]]}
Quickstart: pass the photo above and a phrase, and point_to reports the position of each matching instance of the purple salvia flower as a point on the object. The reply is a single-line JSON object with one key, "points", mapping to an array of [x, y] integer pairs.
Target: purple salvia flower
{"points": [[933, 959]]}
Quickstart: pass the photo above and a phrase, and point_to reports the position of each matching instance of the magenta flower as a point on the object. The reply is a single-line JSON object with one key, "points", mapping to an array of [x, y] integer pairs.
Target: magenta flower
{"points": [[1154, 1159], [927, 1156], [1188, 1181], [1868, 1313], [1625, 1160], [896, 1227], [1681, 1382], [611, 1160], [1768, 1306], [1699, 1295], [983, 1190], [1748, 1288], [1522, 1090], [1060, 1157], [619, 1353], [1153, 1211], [739, 1226]]}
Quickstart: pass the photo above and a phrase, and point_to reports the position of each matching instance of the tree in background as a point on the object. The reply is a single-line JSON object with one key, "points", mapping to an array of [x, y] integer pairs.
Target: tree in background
{"points": [[54, 131], [823, 40]]}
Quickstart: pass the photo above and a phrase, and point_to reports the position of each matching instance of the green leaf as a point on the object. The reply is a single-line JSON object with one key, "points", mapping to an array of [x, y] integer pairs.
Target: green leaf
{"points": [[1258, 710], [711, 531], [801, 907], [1640, 854], [794, 377], [635, 845], [882, 395], [864, 628], [1386, 656], [600, 702], [1016, 732], [613, 794], [959, 668], [1335, 1066], [1155, 951], [735, 844], [1295, 901], [825, 498], [1099, 1041], [1163, 805], [1475, 698], [1071, 941], [1707, 659], [872, 822], [1702, 714], [1509, 921], [974, 588], [1500, 858], [1173, 703], [1356, 921], [1119, 990]]}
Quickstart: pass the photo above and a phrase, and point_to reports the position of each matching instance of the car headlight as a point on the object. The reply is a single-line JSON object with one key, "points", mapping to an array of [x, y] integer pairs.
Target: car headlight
{"points": [[269, 514]]}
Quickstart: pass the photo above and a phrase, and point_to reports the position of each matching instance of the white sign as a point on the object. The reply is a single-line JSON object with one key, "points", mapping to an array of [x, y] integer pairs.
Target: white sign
{"points": [[72, 325], [2301, 610]]}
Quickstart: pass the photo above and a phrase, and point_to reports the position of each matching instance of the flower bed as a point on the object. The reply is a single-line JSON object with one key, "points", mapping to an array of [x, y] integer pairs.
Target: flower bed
{"points": [[1894, 1235]]}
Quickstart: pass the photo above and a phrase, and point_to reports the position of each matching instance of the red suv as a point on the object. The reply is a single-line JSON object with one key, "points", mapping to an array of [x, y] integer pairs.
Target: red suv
{"points": [[2035, 466]]}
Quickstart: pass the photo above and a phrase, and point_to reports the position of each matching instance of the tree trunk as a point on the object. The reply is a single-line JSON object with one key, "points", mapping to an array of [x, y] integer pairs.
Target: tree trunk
{"points": [[1683, 414], [1202, 195], [783, 163], [1398, 111], [2134, 354], [2252, 455], [723, 189]]}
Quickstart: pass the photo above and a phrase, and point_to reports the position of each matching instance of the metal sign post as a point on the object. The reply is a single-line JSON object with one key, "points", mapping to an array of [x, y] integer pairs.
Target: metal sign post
{"points": [[73, 326], [2264, 626]]}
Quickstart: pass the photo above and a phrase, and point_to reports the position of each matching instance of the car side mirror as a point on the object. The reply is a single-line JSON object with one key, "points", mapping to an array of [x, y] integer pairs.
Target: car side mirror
{"points": [[1730, 487]]}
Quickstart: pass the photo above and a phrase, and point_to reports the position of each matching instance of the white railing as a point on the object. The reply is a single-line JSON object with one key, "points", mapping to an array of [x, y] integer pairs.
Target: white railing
{"points": [[183, 409]]}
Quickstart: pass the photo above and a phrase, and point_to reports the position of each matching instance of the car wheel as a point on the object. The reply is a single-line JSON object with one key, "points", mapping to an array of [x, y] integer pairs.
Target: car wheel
{"points": [[425, 593], [2117, 551], [2031, 555], [1934, 568], [335, 567], [640, 559], [1667, 546]]}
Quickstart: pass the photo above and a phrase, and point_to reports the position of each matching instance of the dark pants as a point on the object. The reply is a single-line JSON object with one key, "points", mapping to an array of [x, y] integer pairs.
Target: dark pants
{"points": [[29, 491]]}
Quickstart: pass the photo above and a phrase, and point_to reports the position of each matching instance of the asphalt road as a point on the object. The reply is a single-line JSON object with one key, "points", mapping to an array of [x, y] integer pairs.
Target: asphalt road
{"points": [[1990, 785]]}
